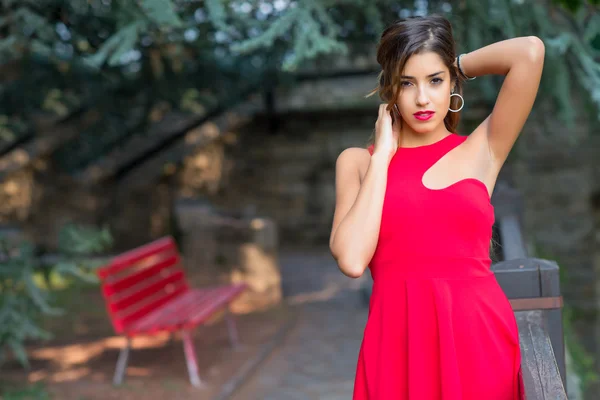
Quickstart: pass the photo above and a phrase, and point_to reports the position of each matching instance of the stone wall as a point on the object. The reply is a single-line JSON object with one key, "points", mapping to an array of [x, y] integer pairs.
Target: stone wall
{"points": [[16, 196], [40, 201], [290, 177]]}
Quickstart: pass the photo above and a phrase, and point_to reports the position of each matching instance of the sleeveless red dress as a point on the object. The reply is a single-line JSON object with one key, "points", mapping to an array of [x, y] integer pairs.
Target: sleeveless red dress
{"points": [[439, 325]]}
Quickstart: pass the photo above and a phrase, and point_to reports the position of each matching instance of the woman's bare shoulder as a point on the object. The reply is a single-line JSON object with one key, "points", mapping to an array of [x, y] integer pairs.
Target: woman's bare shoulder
{"points": [[354, 158]]}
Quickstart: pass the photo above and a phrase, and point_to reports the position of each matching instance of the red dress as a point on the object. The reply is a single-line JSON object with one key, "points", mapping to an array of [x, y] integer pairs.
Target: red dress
{"points": [[439, 326]]}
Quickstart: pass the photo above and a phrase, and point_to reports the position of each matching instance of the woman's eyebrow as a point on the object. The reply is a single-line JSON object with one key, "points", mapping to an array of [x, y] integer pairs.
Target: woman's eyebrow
{"points": [[428, 76]]}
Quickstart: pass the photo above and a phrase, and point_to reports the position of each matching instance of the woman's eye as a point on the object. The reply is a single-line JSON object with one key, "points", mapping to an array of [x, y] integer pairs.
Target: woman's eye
{"points": [[405, 83], [437, 80]]}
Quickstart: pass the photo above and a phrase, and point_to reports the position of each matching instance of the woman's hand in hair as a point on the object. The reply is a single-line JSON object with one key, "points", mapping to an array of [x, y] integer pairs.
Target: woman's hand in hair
{"points": [[386, 138]]}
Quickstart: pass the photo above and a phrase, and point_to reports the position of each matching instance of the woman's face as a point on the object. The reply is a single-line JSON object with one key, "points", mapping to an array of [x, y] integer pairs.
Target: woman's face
{"points": [[425, 87]]}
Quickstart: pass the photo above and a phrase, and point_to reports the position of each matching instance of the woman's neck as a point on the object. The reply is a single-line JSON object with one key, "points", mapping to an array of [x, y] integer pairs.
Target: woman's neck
{"points": [[409, 138]]}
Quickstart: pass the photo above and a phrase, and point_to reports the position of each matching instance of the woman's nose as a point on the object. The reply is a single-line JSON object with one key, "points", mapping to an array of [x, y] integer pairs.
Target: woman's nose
{"points": [[422, 98]]}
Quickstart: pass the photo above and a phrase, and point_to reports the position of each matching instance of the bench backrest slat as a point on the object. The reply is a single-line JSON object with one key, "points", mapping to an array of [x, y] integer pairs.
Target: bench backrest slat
{"points": [[139, 281], [155, 269]]}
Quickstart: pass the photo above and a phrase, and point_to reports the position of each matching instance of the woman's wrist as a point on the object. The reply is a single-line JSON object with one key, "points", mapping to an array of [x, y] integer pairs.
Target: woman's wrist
{"points": [[378, 158], [461, 67]]}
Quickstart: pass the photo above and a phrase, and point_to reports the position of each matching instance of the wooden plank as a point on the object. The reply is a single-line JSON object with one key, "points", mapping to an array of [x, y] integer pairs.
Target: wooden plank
{"points": [[155, 303], [174, 280], [128, 258], [177, 311], [536, 303], [219, 300], [534, 278], [541, 375], [550, 287], [193, 308], [147, 272], [531, 377]]}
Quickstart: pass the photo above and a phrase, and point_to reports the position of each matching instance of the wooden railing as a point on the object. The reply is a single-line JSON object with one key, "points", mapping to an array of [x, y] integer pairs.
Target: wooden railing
{"points": [[532, 286]]}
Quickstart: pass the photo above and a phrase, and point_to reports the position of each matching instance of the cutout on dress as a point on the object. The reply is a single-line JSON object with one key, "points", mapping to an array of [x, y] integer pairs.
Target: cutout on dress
{"points": [[442, 176]]}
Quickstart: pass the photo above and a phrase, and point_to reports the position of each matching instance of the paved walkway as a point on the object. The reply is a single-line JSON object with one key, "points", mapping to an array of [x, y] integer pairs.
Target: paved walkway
{"points": [[318, 358]]}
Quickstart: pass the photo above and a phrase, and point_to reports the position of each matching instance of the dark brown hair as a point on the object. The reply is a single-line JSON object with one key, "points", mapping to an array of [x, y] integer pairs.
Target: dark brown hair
{"points": [[409, 36]]}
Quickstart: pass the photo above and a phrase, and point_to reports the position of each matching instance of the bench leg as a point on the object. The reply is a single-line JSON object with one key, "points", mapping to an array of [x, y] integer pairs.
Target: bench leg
{"points": [[122, 363], [190, 359], [232, 329]]}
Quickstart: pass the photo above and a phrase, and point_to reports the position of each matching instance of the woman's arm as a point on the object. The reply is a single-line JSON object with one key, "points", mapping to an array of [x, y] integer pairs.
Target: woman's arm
{"points": [[521, 60], [357, 215]]}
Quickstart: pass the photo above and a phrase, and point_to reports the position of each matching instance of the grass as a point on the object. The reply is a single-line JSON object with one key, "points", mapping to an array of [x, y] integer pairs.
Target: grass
{"points": [[32, 392]]}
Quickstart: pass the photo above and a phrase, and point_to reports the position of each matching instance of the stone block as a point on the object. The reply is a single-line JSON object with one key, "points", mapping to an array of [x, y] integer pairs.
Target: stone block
{"points": [[259, 269]]}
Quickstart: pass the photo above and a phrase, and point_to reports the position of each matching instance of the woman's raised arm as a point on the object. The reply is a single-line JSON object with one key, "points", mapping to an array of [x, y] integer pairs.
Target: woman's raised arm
{"points": [[521, 60]]}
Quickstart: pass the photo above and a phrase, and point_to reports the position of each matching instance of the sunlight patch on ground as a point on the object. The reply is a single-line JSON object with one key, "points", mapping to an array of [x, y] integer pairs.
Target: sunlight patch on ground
{"points": [[75, 354], [70, 375], [322, 295]]}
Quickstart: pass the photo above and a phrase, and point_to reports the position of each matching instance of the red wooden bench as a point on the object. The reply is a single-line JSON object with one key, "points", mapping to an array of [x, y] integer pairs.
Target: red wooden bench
{"points": [[146, 293]]}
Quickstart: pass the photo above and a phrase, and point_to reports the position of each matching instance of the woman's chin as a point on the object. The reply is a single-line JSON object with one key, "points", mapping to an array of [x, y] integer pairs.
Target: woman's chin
{"points": [[422, 129]]}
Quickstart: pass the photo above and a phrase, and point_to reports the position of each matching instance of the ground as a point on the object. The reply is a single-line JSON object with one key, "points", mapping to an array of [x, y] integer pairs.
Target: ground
{"points": [[304, 349], [318, 358]]}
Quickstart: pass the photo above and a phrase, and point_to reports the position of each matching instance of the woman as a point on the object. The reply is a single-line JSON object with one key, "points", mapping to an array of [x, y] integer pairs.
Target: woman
{"points": [[415, 208]]}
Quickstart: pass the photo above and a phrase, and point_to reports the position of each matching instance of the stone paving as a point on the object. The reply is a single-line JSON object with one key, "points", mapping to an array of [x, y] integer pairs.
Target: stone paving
{"points": [[318, 358]]}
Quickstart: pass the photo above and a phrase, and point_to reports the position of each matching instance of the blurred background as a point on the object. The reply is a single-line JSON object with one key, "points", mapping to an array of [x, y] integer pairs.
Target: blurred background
{"points": [[218, 123]]}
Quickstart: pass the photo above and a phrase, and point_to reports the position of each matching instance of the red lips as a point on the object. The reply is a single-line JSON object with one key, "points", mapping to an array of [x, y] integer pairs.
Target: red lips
{"points": [[424, 115]]}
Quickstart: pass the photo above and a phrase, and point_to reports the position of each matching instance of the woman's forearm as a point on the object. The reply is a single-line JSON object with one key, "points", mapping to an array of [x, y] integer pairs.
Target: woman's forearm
{"points": [[498, 58], [356, 237]]}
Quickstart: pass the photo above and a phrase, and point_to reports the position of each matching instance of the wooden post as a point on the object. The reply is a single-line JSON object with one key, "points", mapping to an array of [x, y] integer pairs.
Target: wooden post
{"points": [[532, 283]]}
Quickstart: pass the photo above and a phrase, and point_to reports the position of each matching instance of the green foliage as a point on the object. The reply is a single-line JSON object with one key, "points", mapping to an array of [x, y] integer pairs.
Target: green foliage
{"points": [[74, 243], [568, 36], [583, 361], [124, 40], [22, 302], [575, 5], [126, 59]]}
